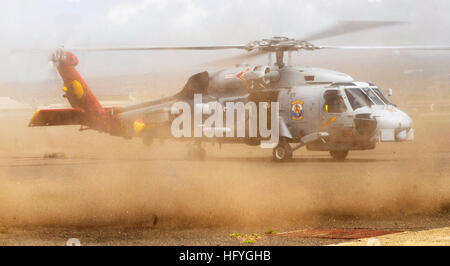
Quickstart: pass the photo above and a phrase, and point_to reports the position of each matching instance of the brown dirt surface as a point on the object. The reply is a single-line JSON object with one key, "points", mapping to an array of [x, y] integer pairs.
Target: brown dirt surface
{"points": [[108, 191]]}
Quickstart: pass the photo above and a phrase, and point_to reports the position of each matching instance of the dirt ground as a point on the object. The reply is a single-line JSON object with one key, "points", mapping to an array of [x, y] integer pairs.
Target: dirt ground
{"points": [[111, 191]]}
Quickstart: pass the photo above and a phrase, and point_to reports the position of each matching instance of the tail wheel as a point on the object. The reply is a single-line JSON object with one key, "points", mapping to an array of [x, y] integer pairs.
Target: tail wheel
{"points": [[282, 152], [339, 155]]}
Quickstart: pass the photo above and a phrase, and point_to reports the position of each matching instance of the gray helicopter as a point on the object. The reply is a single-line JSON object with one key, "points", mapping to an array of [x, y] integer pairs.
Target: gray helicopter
{"points": [[320, 109]]}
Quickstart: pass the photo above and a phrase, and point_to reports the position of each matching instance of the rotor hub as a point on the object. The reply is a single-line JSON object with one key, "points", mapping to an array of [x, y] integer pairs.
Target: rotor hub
{"points": [[279, 45]]}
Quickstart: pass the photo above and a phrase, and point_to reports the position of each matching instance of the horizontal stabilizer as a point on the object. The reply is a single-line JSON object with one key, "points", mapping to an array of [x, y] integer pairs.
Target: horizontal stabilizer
{"points": [[57, 117]]}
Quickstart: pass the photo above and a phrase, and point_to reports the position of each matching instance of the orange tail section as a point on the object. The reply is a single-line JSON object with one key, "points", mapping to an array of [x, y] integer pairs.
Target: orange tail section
{"points": [[87, 110], [76, 90]]}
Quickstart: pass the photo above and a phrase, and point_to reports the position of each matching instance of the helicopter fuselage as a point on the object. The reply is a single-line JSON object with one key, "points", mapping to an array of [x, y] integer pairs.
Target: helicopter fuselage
{"points": [[321, 109], [354, 115]]}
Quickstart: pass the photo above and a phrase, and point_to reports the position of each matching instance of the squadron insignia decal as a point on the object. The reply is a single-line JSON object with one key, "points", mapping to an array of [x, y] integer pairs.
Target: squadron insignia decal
{"points": [[297, 110]]}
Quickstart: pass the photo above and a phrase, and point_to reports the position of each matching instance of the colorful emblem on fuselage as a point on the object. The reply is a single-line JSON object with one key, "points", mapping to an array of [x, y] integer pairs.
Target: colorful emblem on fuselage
{"points": [[297, 110]]}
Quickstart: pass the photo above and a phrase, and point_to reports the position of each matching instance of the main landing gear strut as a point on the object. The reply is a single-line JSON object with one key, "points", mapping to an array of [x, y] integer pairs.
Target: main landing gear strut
{"points": [[283, 151]]}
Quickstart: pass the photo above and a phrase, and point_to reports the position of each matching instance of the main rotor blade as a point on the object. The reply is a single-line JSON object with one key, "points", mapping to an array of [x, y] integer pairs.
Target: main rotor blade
{"points": [[346, 27], [158, 48], [232, 60], [431, 48], [31, 51]]}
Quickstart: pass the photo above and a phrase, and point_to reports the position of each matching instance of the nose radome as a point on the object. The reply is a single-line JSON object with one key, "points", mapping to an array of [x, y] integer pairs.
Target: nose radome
{"points": [[394, 125], [404, 120], [393, 119], [407, 121]]}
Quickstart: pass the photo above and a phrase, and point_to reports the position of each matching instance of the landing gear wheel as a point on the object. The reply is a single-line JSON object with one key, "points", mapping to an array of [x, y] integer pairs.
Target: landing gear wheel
{"points": [[196, 153], [282, 152], [339, 155]]}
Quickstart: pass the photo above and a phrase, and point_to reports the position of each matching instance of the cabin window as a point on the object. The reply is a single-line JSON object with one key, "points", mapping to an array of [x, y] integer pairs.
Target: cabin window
{"points": [[309, 78], [334, 103]]}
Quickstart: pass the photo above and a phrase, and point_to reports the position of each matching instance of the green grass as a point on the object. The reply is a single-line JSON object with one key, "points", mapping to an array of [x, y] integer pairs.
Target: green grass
{"points": [[246, 238], [270, 232]]}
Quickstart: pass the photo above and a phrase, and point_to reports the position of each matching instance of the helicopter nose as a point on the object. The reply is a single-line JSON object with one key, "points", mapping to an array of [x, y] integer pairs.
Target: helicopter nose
{"points": [[394, 125]]}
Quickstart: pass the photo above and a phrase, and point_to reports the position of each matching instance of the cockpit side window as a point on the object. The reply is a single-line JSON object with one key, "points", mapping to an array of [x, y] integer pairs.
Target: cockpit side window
{"points": [[334, 103], [357, 98]]}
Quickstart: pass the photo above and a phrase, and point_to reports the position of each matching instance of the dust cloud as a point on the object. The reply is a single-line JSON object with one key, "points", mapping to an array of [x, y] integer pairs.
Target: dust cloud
{"points": [[107, 181]]}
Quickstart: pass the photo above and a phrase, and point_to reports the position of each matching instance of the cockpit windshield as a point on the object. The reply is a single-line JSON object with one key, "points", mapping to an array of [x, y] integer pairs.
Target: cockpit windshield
{"points": [[373, 97], [357, 98], [360, 97], [382, 97]]}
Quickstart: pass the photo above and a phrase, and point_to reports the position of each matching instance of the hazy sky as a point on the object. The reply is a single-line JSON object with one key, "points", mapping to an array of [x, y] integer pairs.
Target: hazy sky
{"points": [[83, 23]]}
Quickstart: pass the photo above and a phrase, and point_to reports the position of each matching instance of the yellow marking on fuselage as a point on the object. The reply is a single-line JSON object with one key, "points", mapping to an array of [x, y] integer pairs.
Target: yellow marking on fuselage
{"points": [[77, 89], [139, 126], [329, 122]]}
